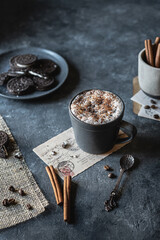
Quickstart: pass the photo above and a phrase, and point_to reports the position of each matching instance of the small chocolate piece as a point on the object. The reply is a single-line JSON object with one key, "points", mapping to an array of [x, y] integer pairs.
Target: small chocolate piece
{"points": [[3, 152], [3, 138], [21, 192], [3, 78], [146, 107], [29, 207], [153, 101], [43, 84], [20, 85], [156, 116], [111, 175], [108, 168], [12, 189], [25, 60], [54, 153], [11, 201], [153, 106], [5, 202], [64, 144], [18, 155]]}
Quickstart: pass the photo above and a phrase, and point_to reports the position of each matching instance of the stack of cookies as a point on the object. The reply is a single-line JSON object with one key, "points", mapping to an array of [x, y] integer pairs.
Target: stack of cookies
{"points": [[27, 73]]}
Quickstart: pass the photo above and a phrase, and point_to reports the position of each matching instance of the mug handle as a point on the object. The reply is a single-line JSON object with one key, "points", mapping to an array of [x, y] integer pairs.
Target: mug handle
{"points": [[129, 129]]}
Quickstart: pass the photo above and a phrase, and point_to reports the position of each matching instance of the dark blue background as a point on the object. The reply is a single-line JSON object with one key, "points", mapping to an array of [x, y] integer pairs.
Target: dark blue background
{"points": [[100, 40]]}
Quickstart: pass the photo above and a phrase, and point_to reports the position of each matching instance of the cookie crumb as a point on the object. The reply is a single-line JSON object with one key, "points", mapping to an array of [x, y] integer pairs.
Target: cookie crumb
{"points": [[29, 207]]}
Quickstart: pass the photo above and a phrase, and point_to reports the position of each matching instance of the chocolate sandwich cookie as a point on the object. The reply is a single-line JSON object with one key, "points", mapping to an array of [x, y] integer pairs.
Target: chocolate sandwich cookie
{"points": [[44, 66], [43, 84], [25, 60], [3, 138], [13, 64], [20, 85], [3, 78]]}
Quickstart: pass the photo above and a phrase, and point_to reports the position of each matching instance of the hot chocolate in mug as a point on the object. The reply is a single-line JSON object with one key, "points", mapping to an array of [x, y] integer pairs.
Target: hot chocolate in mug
{"points": [[96, 117]]}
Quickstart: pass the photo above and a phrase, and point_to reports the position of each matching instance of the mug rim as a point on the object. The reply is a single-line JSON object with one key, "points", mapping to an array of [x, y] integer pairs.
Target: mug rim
{"points": [[140, 57], [96, 125]]}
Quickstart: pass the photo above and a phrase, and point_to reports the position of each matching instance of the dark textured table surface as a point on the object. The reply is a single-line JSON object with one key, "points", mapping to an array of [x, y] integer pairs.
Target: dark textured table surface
{"points": [[100, 40]]}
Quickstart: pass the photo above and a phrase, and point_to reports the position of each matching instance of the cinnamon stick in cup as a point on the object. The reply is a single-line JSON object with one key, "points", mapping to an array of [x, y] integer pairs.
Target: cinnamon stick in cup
{"points": [[157, 40], [157, 59], [66, 195], [155, 46], [149, 52], [55, 184]]}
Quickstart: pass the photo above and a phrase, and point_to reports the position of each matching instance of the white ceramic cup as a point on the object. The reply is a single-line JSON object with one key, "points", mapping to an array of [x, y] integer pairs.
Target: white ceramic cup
{"points": [[148, 76]]}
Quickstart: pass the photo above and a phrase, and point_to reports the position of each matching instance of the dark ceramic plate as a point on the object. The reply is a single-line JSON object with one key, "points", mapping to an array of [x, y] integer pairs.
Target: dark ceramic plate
{"points": [[40, 53]]}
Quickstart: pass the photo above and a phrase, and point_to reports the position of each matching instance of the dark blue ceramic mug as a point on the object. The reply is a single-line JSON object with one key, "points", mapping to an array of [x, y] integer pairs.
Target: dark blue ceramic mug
{"points": [[97, 139]]}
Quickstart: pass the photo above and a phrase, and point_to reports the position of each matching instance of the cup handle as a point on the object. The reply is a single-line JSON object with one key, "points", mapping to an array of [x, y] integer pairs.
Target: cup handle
{"points": [[130, 131]]}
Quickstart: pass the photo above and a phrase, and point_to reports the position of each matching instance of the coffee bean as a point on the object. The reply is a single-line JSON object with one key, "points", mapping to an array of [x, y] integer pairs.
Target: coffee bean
{"points": [[108, 168], [153, 101], [29, 206], [111, 175], [5, 203], [11, 201], [156, 116], [146, 107], [12, 189], [153, 106], [21, 192]]}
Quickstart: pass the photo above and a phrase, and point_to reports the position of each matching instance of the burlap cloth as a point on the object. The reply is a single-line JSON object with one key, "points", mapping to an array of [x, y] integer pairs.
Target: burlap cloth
{"points": [[15, 172]]}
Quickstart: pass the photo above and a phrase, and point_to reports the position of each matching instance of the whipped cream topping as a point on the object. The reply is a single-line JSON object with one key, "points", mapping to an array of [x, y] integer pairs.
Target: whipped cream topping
{"points": [[96, 107]]}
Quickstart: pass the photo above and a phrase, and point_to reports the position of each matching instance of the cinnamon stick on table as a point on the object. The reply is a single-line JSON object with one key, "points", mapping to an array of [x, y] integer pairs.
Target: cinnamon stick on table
{"points": [[157, 59], [66, 195], [149, 52], [55, 184]]}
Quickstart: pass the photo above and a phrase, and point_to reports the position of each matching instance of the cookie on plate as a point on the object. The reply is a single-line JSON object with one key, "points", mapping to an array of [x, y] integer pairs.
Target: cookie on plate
{"points": [[25, 60], [43, 66], [20, 85], [43, 84]]}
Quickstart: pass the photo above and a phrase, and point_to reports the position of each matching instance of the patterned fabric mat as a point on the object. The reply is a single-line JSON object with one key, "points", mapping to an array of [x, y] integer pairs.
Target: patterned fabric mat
{"points": [[14, 171]]}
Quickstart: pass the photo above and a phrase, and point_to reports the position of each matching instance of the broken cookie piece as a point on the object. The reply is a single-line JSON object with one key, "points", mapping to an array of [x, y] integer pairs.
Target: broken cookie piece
{"points": [[3, 152]]}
